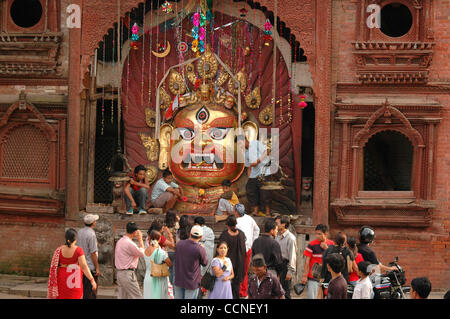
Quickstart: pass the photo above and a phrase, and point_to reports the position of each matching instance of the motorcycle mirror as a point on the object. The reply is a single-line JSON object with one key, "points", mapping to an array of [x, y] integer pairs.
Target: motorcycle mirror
{"points": [[396, 259]]}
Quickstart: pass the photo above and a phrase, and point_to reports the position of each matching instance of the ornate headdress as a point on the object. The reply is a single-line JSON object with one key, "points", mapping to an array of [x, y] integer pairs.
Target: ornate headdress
{"points": [[215, 84]]}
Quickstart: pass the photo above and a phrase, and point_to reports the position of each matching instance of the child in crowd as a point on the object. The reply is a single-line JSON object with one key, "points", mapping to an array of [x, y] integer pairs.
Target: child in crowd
{"points": [[363, 289]]}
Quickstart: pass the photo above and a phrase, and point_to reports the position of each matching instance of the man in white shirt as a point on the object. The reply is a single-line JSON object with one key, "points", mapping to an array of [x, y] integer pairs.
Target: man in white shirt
{"points": [[257, 161], [288, 245], [248, 226]]}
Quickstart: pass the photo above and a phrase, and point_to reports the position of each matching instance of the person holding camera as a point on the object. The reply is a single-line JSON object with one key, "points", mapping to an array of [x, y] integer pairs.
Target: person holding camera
{"points": [[127, 255]]}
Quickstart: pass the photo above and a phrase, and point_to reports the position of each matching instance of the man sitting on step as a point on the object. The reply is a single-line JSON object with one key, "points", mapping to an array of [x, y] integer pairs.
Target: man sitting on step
{"points": [[136, 191], [227, 201], [166, 192]]}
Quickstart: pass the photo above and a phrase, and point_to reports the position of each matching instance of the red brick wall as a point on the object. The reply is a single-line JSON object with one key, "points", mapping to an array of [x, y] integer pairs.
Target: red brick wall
{"points": [[27, 244], [440, 68], [426, 251]]}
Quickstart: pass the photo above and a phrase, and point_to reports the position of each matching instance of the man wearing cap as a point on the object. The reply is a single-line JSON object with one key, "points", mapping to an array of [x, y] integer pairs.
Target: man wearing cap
{"points": [[87, 240], [207, 239], [248, 226], [190, 255], [263, 284]]}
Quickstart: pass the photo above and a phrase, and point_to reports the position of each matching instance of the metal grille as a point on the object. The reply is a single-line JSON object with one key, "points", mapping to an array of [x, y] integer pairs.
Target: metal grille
{"points": [[26, 154], [104, 150]]}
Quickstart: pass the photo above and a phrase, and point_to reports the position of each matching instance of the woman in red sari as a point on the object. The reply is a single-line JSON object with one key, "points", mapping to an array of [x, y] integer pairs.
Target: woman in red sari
{"points": [[65, 279]]}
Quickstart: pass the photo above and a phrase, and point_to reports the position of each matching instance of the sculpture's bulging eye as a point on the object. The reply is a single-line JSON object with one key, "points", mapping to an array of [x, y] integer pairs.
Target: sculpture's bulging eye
{"points": [[218, 133], [186, 134]]}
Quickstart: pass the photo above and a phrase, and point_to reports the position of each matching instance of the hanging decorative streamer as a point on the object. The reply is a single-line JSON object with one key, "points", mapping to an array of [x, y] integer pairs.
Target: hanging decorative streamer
{"points": [[279, 92], [302, 104], [274, 77], [103, 85], [198, 33], [243, 12], [114, 66], [135, 36], [267, 32], [128, 64], [167, 7], [143, 55], [119, 86]]}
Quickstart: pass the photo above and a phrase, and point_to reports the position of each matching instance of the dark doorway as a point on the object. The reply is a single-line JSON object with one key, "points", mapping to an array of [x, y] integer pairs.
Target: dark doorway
{"points": [[105, 148]]}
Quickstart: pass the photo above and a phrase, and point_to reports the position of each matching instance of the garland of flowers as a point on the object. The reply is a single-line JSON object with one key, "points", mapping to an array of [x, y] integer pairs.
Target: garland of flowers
{"points": [[198, 33]]}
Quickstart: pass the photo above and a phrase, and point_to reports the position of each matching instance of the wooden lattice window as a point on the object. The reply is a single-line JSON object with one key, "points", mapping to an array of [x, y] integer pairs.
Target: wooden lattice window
{"points": [[26, 154]]}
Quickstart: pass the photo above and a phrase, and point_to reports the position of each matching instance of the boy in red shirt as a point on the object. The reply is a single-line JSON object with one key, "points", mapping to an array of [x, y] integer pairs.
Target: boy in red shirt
{"points": [[313, 253]]}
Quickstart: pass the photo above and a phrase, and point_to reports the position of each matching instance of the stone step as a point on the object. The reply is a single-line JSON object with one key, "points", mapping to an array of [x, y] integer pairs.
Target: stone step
{"points": [[40, 291]]}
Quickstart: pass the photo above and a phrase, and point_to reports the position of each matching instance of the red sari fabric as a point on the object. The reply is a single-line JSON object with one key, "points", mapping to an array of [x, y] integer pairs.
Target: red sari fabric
{"points": [[52, 289], [70, 279]]}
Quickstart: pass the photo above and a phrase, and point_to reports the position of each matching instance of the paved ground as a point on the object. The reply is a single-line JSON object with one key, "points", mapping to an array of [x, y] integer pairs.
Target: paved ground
{"points": [[26, 287]]}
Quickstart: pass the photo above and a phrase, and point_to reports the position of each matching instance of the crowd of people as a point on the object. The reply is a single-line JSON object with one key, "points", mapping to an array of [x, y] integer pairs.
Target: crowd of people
{"points": [[180, 254]]}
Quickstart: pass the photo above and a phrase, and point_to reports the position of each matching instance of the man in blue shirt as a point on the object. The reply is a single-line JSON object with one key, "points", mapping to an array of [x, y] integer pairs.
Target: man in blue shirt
{"points": [[166, 192], [257, 161]]}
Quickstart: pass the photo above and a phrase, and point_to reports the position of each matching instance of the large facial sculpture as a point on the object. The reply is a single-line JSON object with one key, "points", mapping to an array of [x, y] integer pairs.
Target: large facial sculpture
{"points": [[202, 143], [202, 147]]}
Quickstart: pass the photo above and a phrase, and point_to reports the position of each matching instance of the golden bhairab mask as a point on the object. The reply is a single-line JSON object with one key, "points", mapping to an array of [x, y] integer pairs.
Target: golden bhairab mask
{"points": [[206, 160], [199, 145]]}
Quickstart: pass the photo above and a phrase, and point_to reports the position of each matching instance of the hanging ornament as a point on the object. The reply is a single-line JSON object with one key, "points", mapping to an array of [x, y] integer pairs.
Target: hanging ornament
{"points": [[167, 7], [163, 50], [198, 33], [302, 104], [243, 12], [267, 32], [135, 36], [182, 47]]}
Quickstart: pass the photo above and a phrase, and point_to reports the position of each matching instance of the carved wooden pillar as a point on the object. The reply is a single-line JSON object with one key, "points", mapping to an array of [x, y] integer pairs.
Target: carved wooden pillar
{"points": [[344, 162], [73, 113], [355, 170], [322, 89], [430, 169]]}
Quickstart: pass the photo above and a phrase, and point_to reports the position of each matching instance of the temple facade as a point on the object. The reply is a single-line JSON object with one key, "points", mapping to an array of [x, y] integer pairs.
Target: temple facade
{"points": [[359, 92]]}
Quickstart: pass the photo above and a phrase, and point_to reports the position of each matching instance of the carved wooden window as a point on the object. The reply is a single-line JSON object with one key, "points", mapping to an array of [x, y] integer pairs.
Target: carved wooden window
{"points": [[26, 152], [400, 51], [387, 163], [30, 38], [30, 16]]}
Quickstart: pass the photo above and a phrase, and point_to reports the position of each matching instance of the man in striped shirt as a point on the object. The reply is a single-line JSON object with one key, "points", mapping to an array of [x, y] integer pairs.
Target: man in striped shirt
{"points": [[313, 253]]}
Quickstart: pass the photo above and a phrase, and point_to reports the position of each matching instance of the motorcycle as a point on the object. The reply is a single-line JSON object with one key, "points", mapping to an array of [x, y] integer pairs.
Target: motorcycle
{"points": [[389, 286]]}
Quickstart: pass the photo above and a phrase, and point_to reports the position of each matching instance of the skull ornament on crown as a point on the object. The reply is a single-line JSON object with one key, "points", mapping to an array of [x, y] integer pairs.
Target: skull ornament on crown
{"points": [[199, 142]]}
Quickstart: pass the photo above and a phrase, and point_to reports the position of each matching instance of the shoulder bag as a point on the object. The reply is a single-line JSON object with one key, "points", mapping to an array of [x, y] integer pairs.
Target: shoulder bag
{"points": [[159, 270]]}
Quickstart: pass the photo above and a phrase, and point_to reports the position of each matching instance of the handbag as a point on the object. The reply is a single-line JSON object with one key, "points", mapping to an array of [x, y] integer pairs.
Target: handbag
{"points": [[208, 280], [159, 270], [298, 288]]}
